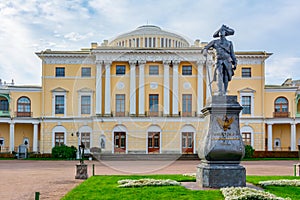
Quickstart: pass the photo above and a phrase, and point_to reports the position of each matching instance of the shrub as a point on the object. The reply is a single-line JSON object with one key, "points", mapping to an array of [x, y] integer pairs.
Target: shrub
{"points": [[64, 152], [249, 151]]}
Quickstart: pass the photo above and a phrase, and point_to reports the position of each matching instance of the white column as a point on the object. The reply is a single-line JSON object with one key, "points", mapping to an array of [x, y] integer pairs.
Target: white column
{"points": [[293, 137], [35, 137], [270, 138], [166, 88], [175, 89], [132, 93], [12, 136], [142, 88], [199, 88], [107, 89], [98, 88]]}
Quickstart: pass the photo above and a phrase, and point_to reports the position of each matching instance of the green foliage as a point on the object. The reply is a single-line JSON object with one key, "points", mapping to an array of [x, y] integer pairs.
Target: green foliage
{"points": [[106, 187], [64, 152], [249, 151]]}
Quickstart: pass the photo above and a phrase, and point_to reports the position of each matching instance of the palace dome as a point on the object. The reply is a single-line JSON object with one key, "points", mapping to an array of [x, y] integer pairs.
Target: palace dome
{"points": [[150, 36]]}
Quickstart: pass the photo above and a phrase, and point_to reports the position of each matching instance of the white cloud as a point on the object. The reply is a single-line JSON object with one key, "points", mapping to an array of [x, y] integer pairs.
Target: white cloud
{"points": [[28, 26]]}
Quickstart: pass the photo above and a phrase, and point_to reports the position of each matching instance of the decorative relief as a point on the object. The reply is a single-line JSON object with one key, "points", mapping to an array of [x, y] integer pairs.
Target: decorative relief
{"points": [[153, 85], [120, 85], [187, 85]]}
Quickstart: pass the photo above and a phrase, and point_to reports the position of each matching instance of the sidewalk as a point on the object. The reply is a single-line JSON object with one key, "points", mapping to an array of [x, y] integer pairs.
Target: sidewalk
{"points": [[20, 179]]}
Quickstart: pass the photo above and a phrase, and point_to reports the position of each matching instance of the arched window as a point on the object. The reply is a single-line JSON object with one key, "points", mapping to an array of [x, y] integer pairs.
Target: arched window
{"points": [[281, 107], [24, 107]]}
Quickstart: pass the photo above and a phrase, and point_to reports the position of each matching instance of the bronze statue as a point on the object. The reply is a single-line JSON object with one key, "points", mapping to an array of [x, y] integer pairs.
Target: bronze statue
{"points": [[81, 152], [226, 60]]}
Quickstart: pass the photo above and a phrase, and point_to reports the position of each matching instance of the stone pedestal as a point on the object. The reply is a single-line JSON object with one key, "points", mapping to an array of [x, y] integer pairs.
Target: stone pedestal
{"points": [[221, 148], [221, 174], [81, 171]]}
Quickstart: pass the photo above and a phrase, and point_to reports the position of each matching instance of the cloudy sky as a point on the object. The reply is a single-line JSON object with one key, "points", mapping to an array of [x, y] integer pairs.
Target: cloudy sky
{"points": [[29, 26]]}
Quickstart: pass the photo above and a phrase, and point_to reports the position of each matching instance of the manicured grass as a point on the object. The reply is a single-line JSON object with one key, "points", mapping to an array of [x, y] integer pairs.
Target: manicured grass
{"points": [[106, 187], [281, 191]]}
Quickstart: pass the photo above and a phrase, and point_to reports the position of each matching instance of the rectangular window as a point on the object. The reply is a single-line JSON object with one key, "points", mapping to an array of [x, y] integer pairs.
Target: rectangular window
{"points": [[3, 104], [85, 104], [153, 70], [86, 140], [187, 105], [120, 105], [153, 104], [246, 138], [246, 72], [59, 138], [59, 71], [246, 103], [59, 104], [137, 42], [187, 70], [86, 72], [120, 69]]}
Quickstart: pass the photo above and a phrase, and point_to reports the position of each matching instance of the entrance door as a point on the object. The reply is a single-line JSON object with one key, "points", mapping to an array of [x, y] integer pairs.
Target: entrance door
{"points": [[153, 142], [120, 142], [187, 142]]}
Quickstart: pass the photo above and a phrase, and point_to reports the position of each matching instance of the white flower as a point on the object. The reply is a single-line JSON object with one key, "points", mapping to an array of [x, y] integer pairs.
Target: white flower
{"points": [[282, 182], [239, 193], [146, 182]]}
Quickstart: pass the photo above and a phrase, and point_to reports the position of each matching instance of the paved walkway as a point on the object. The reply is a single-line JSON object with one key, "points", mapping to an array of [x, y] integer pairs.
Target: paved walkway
{"points": [[20, 179]]}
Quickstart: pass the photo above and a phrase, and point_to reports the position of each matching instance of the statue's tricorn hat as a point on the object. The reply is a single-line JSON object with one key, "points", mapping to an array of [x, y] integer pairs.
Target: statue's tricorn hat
{"points": [[228, 31]]}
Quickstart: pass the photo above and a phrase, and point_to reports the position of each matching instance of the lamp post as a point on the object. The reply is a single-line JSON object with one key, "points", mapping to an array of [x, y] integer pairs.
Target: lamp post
{"points": [[81, 168]]}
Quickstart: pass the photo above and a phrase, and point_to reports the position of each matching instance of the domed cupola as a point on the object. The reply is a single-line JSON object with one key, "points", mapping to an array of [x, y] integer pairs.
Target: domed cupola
{"points": [[150, 36]]}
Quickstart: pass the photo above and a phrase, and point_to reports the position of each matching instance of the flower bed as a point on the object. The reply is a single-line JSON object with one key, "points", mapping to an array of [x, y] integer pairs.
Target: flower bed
{"points": [[283, 182], [241, 193], [146, 182], [190, 174]]}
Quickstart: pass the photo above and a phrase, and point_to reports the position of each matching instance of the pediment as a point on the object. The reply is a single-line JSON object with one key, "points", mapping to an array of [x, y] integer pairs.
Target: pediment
{"points": [[247, 90], [85, 89], [59, 89]]}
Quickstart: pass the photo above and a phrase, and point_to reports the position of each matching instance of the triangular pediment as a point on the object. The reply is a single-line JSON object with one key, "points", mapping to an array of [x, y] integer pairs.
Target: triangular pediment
{"points": [[246, 90], [85, 89], [59, 89]]}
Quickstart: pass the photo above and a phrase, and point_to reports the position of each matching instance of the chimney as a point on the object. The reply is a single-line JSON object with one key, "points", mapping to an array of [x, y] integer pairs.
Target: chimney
{"points": [[94, 45]]}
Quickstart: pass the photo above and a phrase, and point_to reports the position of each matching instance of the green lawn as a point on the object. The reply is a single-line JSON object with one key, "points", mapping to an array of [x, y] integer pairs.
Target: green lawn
{"points": [[106, 187], [282, 191]]}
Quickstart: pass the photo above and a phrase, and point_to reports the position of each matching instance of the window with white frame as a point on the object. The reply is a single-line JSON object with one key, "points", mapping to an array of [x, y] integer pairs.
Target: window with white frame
{"points": [[85, 104], [86, 139], [246, 104], [59, 104], [153, 70], [85, 72], [246, 138]]}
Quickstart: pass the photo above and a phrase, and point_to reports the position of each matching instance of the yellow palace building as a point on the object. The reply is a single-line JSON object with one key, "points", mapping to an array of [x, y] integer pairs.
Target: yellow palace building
{"points": [[142, 93]]}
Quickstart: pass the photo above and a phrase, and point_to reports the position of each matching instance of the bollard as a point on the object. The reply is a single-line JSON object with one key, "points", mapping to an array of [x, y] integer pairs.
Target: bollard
{"points": [[93, 169], [37, 196], [295, 166]]}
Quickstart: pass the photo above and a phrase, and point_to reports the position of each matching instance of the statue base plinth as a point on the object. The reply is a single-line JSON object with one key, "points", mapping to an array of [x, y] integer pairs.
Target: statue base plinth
{"points": [[81, 171], [221, 174]]}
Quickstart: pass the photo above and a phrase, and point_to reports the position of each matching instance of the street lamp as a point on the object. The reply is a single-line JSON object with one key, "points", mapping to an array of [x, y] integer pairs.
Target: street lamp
{"points": [[81, 168]]}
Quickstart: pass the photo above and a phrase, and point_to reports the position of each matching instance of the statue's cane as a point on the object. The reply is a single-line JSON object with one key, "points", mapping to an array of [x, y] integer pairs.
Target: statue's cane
{"points": [[208, 74]]}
